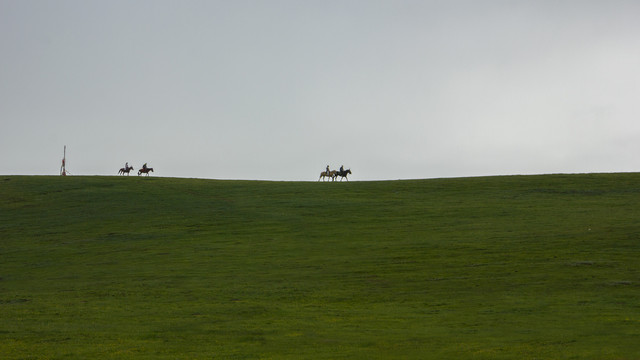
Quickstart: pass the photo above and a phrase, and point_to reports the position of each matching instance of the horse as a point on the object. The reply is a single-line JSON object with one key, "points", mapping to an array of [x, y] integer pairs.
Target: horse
{"points": [[343, 174], [145, 171], [331, 174], [125, 170]]}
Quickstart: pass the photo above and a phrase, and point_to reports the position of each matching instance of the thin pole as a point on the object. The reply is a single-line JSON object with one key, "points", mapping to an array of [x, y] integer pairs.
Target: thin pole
{"points": [[63, 169]]}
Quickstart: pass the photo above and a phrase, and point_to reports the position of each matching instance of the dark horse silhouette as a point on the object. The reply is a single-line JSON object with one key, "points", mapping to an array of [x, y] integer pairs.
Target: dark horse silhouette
{"points": [[343, 174], [125, 170], [145, 171]]}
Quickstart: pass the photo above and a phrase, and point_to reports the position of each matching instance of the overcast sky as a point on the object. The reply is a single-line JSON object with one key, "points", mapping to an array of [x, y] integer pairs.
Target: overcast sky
{"points": [[278, 90]]}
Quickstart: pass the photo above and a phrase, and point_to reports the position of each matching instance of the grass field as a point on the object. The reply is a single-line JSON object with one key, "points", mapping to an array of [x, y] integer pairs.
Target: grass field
{"points": [[516, 267]]}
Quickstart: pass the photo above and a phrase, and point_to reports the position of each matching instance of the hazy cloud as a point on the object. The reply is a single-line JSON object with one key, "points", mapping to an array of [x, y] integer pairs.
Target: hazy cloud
{"points": [[277, 90]]}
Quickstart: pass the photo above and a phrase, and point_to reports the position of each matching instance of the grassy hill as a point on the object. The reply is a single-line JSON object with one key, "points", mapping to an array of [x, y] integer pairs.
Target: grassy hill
{"points": [[516, 267]]}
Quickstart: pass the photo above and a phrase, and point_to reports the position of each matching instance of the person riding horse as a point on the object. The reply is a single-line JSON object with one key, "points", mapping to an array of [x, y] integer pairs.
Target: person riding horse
{"points": [[145, 170], [343, 173]]}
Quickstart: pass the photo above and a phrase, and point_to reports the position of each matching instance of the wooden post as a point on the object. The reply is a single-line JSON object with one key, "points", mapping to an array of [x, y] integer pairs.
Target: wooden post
{"points": [[63, 169]]}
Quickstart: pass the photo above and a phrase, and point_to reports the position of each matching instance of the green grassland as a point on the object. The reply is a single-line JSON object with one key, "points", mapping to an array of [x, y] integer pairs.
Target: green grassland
{"points": [[513, 267]]}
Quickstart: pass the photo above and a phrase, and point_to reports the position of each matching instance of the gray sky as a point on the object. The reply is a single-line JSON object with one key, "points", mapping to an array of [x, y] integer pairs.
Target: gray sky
{"points": [[277, 90]]}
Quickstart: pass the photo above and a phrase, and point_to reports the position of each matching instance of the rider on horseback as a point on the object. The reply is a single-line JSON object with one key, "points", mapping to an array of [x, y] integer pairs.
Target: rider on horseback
{"points": [[144, 166], [342, 169]]}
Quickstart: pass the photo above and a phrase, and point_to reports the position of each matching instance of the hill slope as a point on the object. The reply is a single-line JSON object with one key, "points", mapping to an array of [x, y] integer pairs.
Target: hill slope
{"points": [[497, 267]]}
